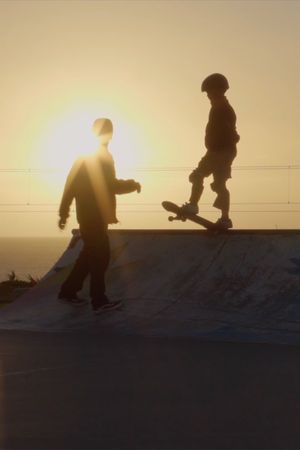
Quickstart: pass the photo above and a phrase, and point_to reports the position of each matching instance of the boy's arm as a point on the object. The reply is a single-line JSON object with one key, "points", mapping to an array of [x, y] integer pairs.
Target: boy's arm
{"points": [[68, 196]]}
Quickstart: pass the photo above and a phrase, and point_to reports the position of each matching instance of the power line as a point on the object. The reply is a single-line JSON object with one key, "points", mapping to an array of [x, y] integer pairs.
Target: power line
{"points": [[156, 168], [145, 204], [15, 211], [29, 172]]}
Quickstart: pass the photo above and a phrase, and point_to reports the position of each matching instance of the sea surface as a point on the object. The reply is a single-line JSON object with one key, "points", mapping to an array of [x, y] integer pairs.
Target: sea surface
{"points": [[29, 256]]}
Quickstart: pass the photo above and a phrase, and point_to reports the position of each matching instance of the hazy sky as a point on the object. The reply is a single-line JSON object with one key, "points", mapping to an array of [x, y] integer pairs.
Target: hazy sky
{"points": [[63, 63]]}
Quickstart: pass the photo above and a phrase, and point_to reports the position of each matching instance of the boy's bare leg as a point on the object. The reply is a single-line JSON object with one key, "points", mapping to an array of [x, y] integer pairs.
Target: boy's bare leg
{"points": [[222, 201], [191, 206], [197, 190]]}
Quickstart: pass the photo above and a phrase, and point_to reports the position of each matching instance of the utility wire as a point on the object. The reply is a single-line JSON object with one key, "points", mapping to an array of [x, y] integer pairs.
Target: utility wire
{"points": [[159, 169], [30, 172], [155, 211]]}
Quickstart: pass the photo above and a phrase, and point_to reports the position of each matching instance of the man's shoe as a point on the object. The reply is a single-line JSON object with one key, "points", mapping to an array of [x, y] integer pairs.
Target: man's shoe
{"points": [[189, 208], [106, 307], [224, 224], [72, 300]]}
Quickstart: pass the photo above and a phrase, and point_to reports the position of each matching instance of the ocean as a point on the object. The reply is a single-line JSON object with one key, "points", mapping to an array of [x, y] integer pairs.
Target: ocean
{"points": [[29, 256]]}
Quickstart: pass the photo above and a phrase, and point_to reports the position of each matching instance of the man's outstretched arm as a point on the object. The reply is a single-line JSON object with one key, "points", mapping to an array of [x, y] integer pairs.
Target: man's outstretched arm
{"points": [[118, 186], [126, 186]]}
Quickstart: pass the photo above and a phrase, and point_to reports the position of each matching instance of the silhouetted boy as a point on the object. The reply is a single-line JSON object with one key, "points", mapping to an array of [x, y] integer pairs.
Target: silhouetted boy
{"points": [[93, 184], [221, 138]]}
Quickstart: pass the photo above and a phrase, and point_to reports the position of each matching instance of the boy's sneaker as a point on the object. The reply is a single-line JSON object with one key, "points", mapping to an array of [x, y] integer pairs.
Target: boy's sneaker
{"points": [[106, 307], [72, 300], [224, 224], [189, 208]]}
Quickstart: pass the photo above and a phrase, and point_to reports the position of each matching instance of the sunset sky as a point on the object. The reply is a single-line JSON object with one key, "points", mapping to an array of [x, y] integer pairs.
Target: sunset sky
{"points": [[141, 63]]}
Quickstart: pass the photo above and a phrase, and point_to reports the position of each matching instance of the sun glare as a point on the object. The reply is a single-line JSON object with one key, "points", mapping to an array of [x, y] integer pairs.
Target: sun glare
{"points": [[69, 136], [65, 139], [125, 149]]}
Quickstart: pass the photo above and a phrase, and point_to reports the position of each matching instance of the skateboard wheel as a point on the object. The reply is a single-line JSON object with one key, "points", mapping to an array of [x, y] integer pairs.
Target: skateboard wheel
{"points": [[170, 219]]}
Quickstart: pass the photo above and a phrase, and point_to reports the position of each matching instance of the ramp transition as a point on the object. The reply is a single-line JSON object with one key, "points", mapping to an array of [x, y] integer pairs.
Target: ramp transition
{"points": [[236, 286]]}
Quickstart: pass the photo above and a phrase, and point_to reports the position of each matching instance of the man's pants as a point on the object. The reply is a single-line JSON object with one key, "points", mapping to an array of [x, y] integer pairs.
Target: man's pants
{"points": [[93, 260]]}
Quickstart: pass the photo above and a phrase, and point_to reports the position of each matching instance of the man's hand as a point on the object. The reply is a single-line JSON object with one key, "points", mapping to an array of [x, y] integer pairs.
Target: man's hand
{"points": [[138, 187], [62, 223]]}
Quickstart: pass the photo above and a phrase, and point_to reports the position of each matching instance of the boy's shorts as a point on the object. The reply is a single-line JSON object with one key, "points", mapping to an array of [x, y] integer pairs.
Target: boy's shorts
{"points": [[217, 163]]}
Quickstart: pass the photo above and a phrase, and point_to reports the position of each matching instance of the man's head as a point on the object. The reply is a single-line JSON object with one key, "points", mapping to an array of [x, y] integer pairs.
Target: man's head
{"points": [[103, 128], [215, 85]]}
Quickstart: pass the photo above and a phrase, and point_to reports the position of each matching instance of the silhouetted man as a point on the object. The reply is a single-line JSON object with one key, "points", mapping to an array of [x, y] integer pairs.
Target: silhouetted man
{"points": [[93, 184], [221, 138]]}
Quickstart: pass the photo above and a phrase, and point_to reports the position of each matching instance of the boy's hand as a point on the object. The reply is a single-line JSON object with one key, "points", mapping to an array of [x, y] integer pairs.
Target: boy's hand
{"points": [[138, 188], [62, 223]]}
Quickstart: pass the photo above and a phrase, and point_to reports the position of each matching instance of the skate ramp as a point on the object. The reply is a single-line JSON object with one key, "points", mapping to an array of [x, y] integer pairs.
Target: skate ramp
{"points": [[235, 286]]}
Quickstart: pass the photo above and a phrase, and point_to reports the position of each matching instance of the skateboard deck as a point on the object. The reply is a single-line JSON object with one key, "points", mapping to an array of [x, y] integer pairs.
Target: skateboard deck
{"points": [[175, 209]]}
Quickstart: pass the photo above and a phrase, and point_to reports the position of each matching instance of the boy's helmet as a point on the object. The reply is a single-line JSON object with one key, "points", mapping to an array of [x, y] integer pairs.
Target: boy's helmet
{"points": [[102, 126], [215, 81]]}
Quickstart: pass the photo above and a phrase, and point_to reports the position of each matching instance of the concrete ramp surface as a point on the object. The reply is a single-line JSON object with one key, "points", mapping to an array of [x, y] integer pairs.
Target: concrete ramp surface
{"points": [[234, 286]]}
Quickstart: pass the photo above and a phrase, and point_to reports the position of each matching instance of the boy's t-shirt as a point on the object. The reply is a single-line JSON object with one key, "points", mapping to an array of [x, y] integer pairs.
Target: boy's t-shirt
{"points": [[220, 133]]}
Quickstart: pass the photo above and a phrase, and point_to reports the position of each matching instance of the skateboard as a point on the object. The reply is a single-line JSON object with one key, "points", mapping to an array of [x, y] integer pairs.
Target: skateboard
{"points": [[175, 209]]}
